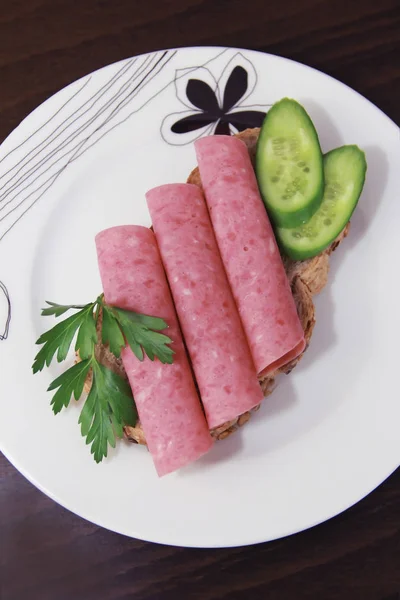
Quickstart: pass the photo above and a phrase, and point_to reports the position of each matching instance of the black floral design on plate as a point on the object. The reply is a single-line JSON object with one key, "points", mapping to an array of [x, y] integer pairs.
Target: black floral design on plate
{"points": [[203, 97], [5, 309], [215, 106]]}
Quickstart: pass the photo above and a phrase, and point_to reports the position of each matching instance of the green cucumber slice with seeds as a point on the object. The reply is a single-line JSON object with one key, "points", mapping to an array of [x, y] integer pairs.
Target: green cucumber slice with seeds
{"points": [[344, 170], [289, 164]]}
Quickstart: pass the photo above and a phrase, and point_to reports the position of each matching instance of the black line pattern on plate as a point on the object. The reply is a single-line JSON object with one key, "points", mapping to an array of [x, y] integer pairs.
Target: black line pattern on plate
{"points": [[177, 77], [88, 79], [47, 158], [14, 197], [65, 143], [51, 137], [149, 100], [4, 328], [76, 153]]}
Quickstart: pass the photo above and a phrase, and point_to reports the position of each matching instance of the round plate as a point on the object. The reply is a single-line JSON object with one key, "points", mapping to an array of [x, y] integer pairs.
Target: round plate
{"points": [[82, 162]]}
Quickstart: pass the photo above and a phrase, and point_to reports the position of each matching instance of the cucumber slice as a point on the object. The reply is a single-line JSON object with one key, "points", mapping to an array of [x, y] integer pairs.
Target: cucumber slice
{"points": [[289, 164], [344, 169]]}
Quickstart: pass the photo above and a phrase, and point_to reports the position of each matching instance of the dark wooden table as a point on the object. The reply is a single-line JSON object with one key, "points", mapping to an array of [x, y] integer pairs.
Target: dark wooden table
{"points": [[48, 553]]}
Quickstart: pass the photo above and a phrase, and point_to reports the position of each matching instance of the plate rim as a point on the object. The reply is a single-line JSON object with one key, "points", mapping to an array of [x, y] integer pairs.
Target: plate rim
{"points": [[207, 47], [176, 544]]}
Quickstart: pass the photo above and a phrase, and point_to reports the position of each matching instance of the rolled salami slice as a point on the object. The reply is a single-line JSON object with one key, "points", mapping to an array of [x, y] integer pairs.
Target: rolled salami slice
{"points": [[206, 309], [167, 402], [249, 252]]}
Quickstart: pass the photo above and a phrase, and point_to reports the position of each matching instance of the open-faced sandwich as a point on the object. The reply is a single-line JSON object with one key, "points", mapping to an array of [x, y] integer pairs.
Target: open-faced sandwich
{"points": [[230, 265]]}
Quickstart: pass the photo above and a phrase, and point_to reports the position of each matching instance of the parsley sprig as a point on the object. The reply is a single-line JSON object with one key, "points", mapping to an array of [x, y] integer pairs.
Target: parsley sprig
{"points": [[109, 405]]}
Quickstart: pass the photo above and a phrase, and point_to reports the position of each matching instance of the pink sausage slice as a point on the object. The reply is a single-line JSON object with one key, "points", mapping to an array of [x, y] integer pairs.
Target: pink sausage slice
{"points": [[249, 252], [206, 309], [168, 405]]}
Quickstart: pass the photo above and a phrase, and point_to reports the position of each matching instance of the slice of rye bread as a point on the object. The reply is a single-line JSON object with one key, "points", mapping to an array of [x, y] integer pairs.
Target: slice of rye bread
{"points": [[306, 278]]}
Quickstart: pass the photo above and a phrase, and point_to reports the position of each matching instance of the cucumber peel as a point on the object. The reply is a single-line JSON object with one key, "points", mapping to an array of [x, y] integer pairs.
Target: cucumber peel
{"points": [[289, 164], [344, 172]]}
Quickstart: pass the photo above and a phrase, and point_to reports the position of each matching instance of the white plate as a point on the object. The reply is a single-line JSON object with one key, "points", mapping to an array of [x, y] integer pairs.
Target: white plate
{"points": [[82, 162]]}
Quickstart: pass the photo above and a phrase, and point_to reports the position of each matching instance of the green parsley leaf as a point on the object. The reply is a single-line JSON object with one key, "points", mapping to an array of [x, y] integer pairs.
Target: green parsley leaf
{"points": [[59, 339], [96, 425], [69, 384], [111, 333], [154, 323], [59, 309], [136, 329], [108, 407], [87, 335]]}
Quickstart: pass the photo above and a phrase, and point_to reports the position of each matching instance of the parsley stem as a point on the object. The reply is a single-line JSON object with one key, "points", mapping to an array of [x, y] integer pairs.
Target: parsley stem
{"points": [[99, 305]]}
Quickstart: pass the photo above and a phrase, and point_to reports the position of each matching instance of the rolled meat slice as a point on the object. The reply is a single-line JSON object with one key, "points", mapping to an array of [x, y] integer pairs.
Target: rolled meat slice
{"points": [[167, 402], [210, 322], [249, 252]]}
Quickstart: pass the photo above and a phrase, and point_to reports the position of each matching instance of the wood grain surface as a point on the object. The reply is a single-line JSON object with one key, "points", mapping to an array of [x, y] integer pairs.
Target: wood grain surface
{"points": [[46, 552]]}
